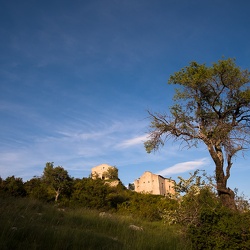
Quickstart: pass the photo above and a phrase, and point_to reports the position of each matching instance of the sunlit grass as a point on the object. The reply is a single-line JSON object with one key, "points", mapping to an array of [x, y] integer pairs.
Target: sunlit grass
{"points": [[29, 224]]}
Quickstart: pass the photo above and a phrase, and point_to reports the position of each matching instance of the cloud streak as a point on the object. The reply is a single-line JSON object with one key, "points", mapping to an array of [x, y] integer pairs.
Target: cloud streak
{"points": [[184, 167], [74, 145], [133, 141]]}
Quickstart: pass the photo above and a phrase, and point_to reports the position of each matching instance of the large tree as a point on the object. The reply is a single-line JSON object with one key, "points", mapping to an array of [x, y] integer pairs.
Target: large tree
{"points": [[212, 105]]}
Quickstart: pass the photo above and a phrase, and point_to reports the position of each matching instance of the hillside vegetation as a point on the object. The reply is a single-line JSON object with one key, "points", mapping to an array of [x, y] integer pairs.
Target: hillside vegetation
{"points": [[31, 224], [60, 212]]}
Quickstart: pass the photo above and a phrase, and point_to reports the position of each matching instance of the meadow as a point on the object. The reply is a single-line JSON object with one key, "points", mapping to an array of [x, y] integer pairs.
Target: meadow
{"points": [[26, 223], [49, 212]]}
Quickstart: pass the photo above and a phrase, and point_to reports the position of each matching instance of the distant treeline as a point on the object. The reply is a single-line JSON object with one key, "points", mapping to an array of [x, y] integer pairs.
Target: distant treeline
{"points": [[55, 185]]}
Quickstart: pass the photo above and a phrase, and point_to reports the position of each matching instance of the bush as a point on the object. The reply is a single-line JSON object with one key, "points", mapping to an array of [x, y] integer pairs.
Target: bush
{"points": [[188, 208], [90, 193], [146, 206], [221, 229], [114, 199], [37, 189], [14, 186]]}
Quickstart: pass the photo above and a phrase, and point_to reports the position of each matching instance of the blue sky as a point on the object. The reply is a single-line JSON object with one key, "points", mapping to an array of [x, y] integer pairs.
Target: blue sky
{"points": [[77, 78]]}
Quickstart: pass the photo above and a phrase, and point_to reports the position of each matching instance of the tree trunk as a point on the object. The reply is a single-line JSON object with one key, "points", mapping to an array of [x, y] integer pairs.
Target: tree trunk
{"points": [[227, 199], [57, 195], [226, 195]]}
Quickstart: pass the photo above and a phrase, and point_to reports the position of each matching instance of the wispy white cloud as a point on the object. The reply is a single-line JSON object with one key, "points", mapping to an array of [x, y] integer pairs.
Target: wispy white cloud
{"points": [[75, 146], [133, 141], [184, 167]]}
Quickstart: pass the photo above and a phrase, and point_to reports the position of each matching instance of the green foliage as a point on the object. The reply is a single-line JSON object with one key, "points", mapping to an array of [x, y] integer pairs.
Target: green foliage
{"points": [[204, 220], [31, 224], [221, 229], [242, 202], [195, 183], [146, 206], [114, 199], [195, 211], [111, 173], [131, 186], [90, 193], [192, 195], [212, 106], [13, 186], [212, 102], [189, 207], [37, 188], [57, 180], [98, 194]]}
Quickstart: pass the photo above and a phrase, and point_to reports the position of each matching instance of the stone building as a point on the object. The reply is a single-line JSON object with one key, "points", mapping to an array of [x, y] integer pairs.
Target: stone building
{"points": [[107, 173], [154, 184], [100, 171]]}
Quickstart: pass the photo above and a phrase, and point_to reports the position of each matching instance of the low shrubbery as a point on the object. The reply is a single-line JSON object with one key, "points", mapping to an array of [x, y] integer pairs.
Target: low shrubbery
{"points": [[195, 210], [146, 206], [32, 224], [221, 229]]}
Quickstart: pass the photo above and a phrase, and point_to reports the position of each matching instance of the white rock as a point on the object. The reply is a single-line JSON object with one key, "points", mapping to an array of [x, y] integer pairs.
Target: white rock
{"points": [[135, 228]]}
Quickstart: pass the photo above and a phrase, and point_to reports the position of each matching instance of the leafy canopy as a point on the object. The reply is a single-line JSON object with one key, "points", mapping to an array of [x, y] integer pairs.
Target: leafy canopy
{"points": [[212, 105], [57, 179]]}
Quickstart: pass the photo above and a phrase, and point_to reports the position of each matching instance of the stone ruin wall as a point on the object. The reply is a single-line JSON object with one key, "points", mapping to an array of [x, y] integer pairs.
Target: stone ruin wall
{"points": [[154, 184]]}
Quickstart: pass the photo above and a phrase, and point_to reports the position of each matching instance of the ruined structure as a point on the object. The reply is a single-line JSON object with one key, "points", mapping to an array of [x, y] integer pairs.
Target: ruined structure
{"points": [[154, 184], [106, 172], [100, 171]]}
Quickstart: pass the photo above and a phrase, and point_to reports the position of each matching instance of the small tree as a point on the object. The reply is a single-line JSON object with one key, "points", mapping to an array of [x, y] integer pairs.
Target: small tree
{"points": [[131, 186], [111, 173], [193, 195], [197, 181], [57, 179], [212, 106]]}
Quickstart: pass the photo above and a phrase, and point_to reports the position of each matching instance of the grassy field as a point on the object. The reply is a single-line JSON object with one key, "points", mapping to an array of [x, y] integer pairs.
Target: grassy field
{"points": [[29, 224]]}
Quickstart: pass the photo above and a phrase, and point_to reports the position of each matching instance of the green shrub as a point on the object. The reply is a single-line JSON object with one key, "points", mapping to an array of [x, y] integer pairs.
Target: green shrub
{"points": [[146, 206], [14, 186], [187, 209], [114, 199], [31, 224], [221, 229], [37, 189], [90, 193]]}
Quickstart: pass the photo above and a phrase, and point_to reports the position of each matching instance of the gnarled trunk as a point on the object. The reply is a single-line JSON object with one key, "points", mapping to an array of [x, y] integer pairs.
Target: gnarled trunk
{"points": [[225, 194], [227, 199]]}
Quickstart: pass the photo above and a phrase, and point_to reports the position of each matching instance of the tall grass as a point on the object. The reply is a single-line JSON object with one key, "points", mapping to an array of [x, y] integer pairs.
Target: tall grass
{"points": [[30, 224]]}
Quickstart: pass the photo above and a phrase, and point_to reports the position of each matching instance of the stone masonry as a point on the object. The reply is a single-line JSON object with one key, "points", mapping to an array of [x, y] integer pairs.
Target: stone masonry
{"points": [[154, 184]]}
